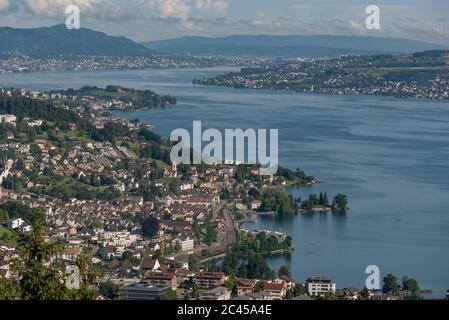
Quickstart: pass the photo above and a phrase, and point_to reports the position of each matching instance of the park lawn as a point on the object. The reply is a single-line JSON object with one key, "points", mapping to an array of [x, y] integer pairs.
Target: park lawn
{"points": [[71, 134]]}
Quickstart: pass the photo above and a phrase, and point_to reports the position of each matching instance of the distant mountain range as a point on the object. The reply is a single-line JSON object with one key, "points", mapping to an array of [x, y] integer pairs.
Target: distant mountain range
{"points": [[307, 46], [58, 40]]}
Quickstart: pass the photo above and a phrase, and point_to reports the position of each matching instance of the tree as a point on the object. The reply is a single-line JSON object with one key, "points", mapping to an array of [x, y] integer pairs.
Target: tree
{"points": [[230, 263], [365, 293], [169, 295], [31, 135], [109, 290], [325, 200], [321, 201], [290, 294], [390, 284], [211, 234], [37, 281], [299, 289], [259, 286], [411, 285], [340, 203], [40, 279], [230, 283], [127, 255], [194, 294], [242, 271], [284, 271], [150, 227], [258, 268], [8, 289], [4, 216], [194, 261]]}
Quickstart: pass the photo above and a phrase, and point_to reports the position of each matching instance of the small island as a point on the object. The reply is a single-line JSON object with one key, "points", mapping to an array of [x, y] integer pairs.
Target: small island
{"points": [[276, 202]]}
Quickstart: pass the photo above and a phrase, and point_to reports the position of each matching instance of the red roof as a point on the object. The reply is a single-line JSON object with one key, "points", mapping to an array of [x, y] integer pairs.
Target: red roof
{"points": [[154, 275], [148, 264], [209, 275]]}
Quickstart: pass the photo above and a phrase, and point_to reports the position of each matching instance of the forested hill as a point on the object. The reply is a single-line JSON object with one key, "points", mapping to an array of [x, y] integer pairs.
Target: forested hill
{"points": [[58, 40]]}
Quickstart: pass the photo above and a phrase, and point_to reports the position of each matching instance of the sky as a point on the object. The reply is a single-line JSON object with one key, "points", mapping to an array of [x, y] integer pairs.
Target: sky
{"points": [[146, 20]]}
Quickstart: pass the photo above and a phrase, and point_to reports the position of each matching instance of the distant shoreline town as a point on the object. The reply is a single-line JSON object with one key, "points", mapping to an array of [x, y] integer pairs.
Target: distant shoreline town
{"points": [[24, 64], [418, 75]]}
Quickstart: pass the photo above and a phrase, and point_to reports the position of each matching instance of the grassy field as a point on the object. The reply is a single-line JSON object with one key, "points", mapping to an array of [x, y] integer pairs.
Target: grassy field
{"points": [[66, 187], [4, 231], [161, 164], [111, 95]]}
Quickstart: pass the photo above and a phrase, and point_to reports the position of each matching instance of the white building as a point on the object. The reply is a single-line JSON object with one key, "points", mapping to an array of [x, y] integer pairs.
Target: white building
{"points": [[218, 293], [27, 228], [68, 254], [320, 286], [187, 244], [8, 119], [6, 170], [119, 238], [15, 223]]}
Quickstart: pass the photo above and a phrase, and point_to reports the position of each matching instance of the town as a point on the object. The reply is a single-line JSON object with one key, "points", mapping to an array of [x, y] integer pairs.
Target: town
{"points": [[138, 226], [418, 75], [23, 63]]}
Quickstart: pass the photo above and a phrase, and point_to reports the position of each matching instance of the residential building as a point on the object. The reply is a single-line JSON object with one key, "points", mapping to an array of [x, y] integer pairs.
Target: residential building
{"points": [[162, 278], [15, 223], [218, 293], [8, 119], [4, 266], [277, 290], [108, 252], [263, 295], [320, 286], [245, 287], [288, 282], [187, 243], [144, 291], [150, 264], [68, 254], [209, 279], [350, 293]]}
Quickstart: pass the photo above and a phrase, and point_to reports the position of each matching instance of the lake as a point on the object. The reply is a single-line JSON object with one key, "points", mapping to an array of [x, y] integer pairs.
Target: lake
{"points": [[390, 156]]}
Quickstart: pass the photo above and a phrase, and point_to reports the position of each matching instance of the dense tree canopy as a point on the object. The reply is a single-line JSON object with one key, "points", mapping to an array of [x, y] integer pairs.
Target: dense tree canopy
{"points": [[150, 227]]}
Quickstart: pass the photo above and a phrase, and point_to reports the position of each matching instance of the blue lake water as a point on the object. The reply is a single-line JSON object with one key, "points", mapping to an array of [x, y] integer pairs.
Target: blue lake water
{"points": [[390, 156]]}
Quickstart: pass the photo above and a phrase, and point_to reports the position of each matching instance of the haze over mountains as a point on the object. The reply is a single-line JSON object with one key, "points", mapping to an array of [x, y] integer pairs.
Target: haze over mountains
{"points": [[57, 40], [271, 45]]}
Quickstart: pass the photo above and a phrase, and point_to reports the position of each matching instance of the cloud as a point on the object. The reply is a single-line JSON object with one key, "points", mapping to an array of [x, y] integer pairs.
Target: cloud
{"points": [[6, 5], [104, 9], [287, 25], [189, 26], [212, 6], [178, 9]]}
